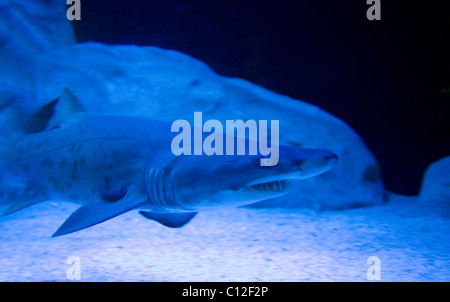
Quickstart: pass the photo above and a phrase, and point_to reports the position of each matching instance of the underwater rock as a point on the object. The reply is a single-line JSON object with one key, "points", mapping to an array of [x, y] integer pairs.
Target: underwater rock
{"points": [[435, 192], [27, 30], [165, 84]]}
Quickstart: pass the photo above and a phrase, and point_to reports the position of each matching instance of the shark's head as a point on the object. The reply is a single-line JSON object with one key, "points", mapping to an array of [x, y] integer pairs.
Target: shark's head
{"points": [[198, 182]]}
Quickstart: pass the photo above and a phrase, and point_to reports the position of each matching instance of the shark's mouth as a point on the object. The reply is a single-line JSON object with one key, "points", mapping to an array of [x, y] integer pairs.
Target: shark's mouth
{"points": [[274, 186]]}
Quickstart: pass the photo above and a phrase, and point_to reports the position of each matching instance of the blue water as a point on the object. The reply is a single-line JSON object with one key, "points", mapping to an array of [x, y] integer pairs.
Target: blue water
{"points": [[405, 239]]}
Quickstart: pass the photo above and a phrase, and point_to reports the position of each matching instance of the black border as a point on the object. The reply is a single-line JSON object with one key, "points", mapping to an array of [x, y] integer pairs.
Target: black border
{"points": [[156, 291]]}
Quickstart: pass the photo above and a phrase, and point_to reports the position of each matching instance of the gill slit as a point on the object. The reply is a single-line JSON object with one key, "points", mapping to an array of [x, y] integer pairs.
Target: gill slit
{"points": [[160, 186]]}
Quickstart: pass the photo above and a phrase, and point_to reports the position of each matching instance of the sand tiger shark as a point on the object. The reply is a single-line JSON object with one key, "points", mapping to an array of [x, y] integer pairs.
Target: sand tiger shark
{"points": [[114, 164]]}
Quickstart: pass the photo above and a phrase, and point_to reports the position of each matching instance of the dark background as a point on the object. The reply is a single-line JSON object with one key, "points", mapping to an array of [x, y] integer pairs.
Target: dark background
{"points": [[388, 79]]}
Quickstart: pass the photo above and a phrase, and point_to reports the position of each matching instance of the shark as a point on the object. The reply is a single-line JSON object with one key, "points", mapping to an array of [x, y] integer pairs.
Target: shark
{"points": [[111, 165]]}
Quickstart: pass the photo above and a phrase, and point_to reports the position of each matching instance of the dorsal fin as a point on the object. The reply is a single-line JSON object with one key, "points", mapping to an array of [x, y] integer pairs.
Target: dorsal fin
{"points": [[67, 111], [39, 120], [60, 112]]}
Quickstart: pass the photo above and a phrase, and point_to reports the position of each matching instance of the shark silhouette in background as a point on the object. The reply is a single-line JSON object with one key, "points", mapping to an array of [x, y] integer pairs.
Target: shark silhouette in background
{"points": [[114, 164]]}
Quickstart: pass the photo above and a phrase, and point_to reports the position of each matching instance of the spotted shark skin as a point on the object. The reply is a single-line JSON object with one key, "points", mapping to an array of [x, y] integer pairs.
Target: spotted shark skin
{"points": [[114, 164]]}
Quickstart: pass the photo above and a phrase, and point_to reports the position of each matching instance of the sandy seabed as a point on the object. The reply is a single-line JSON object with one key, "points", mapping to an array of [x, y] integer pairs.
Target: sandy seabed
{"points": [[236, 244]]}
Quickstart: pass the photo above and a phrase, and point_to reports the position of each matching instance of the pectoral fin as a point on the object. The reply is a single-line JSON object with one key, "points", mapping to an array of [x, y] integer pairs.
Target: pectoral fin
{"points": [[171, 220], [95, 213]]}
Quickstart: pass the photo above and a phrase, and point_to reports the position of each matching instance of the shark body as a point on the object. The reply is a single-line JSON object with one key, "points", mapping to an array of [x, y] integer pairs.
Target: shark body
{"points": [[114, 164]]}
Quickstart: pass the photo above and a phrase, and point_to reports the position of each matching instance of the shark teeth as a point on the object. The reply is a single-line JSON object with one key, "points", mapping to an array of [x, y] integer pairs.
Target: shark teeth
{"points": [[278, 185]]}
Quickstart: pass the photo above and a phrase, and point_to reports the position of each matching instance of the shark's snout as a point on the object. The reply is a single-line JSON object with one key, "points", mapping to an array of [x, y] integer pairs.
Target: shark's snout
{"points": [[297, 164], [239, 180]]}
